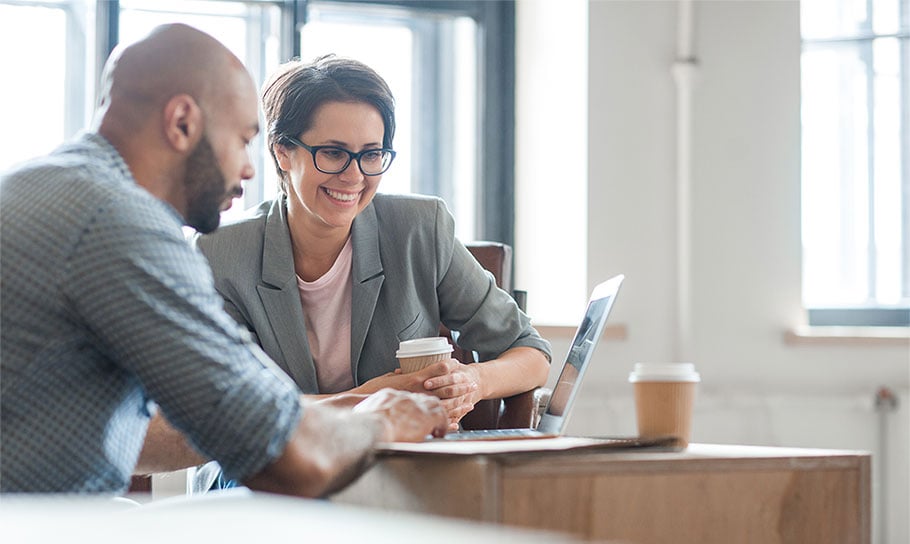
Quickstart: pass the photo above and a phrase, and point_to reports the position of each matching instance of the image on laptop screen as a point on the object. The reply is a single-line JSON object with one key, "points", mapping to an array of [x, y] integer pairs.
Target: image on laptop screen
{"points": [[579, 356]]}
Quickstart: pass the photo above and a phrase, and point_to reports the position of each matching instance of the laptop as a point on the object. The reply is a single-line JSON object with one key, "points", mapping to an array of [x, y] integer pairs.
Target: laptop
{"points": [[556, 416]]}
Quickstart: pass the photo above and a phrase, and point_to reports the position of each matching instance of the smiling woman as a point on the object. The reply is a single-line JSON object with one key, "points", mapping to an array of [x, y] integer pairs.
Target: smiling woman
{"points": [[332, 275], [322, 204]]}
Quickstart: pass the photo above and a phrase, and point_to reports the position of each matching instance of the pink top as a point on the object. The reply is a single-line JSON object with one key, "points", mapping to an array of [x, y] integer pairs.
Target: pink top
{"points": [[327, 311]]}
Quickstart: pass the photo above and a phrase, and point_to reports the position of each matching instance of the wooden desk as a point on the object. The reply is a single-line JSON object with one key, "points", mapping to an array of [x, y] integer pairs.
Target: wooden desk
{"points": [[707, 494]]}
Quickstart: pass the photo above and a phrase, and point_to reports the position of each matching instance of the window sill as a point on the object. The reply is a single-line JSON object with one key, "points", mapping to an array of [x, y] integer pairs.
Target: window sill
{"points": [[878, 336], [611, 332]]}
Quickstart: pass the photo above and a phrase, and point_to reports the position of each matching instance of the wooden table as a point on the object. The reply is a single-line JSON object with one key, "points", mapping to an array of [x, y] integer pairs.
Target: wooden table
{"points": [[706, 494]]}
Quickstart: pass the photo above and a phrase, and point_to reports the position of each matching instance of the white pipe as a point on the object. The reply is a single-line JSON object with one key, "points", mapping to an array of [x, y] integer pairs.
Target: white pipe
{"points": [[684, 72], [684, 30], [885, 405]]}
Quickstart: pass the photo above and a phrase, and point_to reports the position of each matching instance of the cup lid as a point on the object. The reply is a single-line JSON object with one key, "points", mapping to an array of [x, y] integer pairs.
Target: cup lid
{"points": [[423, 346], [664, 372]]}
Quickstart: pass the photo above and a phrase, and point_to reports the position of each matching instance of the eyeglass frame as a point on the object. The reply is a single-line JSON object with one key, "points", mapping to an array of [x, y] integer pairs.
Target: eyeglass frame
{"points": [[313, 149]]}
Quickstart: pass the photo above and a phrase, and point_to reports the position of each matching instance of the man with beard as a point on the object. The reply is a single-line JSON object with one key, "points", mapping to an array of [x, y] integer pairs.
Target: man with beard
{"points": [[110, 317]]}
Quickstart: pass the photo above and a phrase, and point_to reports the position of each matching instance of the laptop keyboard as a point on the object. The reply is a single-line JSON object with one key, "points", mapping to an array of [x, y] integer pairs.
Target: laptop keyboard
{"points": [[495, 434]]}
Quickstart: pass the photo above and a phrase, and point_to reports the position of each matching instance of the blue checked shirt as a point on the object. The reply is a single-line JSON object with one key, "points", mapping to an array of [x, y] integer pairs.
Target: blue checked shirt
{"points": [[105, 307]]}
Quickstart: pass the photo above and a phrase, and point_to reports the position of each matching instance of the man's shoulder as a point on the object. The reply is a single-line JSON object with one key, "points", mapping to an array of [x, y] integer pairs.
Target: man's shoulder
{"points": [[62, 172], [71, 187]]}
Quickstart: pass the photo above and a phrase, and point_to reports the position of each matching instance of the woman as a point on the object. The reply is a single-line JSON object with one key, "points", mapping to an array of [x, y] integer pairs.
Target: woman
{"points": [[331, 276]]}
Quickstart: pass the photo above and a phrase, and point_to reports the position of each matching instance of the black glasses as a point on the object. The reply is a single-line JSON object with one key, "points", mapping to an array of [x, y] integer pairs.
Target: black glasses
{"points": [[330, 159]]}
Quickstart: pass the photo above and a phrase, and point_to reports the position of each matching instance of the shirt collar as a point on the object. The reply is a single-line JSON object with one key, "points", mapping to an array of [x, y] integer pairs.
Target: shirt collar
{"points": [[112, 158]]}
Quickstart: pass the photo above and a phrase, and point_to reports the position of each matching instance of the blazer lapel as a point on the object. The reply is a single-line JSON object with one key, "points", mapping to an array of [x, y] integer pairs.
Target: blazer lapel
{"points": [[368, 276], [281, 300]]}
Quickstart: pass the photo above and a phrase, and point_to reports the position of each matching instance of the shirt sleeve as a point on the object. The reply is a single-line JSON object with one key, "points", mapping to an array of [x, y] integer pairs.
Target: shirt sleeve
{"points": [[148, 297]]}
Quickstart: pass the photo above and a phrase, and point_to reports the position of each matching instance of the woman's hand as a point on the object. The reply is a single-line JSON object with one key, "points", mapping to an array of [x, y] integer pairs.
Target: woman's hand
{"points": [[457, 385], [454, 383], [452, 379]]}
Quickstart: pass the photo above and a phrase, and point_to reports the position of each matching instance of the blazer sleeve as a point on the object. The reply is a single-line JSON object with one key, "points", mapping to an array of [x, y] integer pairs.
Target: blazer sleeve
{"points": [[486, 318]]}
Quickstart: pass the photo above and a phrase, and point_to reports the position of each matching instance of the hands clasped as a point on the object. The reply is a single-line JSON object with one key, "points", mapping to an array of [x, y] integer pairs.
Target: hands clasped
{"points": [[457, 385]]}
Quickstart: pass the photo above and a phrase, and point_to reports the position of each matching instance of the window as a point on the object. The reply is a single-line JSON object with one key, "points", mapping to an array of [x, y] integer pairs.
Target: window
{"points": [[450, 65], [855, 181], [68, 41], [46, 97]]}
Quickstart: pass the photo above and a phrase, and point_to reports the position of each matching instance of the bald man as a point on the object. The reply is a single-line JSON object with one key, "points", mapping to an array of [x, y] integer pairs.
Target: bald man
{"points": [[109, 316]]}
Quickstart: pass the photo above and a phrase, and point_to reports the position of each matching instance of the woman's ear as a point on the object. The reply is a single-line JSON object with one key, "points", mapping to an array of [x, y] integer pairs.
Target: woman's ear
{"points": [[183, 122], [283, 156]]}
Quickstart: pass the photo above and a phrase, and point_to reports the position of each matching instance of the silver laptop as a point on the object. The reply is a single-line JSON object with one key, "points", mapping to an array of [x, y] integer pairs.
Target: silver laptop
{"points": [[556, 416]]}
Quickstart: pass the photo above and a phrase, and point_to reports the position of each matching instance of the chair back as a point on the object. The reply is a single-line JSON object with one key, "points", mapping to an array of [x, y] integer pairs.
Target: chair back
{"points": [[517, 411]]}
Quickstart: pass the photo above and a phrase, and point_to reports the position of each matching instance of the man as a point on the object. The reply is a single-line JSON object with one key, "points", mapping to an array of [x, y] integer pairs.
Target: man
{"points": [[108, 312]]}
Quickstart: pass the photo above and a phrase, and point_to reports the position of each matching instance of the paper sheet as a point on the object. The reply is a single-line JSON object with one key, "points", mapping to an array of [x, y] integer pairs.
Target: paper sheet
{"points": [[493, 447]]}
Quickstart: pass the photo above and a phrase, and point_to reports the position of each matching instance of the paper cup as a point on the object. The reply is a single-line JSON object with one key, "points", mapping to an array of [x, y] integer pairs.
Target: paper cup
{"points": [[414, 355], [664, 399]]}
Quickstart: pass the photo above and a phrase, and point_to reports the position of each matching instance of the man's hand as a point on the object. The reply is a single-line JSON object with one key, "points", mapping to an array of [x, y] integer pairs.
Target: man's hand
{"points": [[165, 449], [407, 417], [340, 400]]}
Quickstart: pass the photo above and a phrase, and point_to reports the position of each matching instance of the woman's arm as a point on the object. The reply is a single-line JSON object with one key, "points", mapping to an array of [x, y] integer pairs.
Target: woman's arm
{"points": [[517, 370]]}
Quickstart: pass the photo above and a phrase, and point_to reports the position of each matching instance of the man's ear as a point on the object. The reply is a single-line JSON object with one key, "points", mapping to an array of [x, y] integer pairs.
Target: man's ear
{"points": [[183, 122]]}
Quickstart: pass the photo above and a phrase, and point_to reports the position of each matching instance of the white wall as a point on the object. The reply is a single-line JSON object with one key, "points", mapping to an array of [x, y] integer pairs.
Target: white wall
{"points": [[551, 153], [745, 237]]}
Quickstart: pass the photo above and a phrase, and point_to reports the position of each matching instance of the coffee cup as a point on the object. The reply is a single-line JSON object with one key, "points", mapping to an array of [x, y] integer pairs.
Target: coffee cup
{"points": [[414, 355], [664, 399]]}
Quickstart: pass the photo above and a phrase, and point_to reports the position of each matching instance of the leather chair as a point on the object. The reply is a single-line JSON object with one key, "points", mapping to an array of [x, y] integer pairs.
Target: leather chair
{"points": [[519, 411]]}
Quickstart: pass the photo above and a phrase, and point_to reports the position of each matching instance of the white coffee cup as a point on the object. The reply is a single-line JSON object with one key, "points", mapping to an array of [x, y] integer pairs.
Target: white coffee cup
{"points": [[414, 355], [664, 399]]}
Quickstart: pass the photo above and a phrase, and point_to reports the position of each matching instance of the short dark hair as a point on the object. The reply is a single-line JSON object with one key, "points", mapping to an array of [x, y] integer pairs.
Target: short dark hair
{"points": [[291, 97]]}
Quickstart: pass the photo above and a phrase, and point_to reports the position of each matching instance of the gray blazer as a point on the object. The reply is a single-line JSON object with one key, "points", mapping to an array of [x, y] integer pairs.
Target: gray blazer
{"points": [[410, 274]]}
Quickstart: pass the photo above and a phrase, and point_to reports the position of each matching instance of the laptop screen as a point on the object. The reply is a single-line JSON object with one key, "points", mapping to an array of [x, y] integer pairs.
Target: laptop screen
{"points": [[586, 338]]}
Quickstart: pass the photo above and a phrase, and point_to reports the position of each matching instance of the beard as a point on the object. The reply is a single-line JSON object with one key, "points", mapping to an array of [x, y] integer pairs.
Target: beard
{"points": [[205, 188]]}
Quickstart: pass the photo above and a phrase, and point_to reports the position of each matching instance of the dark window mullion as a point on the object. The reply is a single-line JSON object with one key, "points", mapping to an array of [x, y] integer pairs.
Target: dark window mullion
{"points": [[293, 17], [495, 189]]}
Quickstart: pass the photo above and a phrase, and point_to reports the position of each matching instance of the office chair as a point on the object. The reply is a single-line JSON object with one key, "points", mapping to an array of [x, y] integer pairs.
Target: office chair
{"points": [[519, 411]]}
